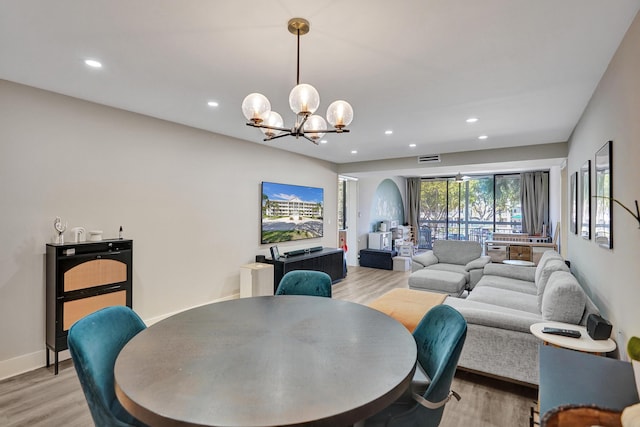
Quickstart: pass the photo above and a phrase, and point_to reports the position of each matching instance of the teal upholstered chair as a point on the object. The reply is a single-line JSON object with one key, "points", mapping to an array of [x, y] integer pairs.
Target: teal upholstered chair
{"points": [[94, 343], [305, 282], [439, 336]]}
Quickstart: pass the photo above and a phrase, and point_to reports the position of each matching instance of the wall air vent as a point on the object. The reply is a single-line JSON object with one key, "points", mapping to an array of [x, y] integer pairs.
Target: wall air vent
{"points": [[431, 158]]}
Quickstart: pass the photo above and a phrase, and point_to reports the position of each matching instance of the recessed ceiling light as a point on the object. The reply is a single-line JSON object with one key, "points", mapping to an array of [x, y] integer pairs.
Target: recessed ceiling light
{"points": [[472, 119], [483, 137], [93, 63], [354, 151], [412, 145], [388, 132], [323, 141], [212, 104]]}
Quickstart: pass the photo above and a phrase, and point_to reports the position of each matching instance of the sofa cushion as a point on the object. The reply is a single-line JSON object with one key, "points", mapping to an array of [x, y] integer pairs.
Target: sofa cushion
{"points": [[456, 251], [441, 281], [550, 267], [564, 299], [505, 298], [510, 271], [480, 313], [546, 256], [423, 260], [501, 282], [454, 268]]}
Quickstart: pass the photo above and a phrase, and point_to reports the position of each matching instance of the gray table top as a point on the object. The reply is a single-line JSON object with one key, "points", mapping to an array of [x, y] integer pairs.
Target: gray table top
{"points": [[266, 361]]}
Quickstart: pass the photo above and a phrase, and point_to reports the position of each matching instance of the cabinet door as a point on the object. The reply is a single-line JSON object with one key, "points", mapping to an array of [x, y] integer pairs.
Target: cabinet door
{"points": [[95, 272], [77, 309], [92, 270]]}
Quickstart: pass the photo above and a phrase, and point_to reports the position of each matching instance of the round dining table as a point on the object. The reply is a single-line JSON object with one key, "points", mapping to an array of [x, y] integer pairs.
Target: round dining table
{"points": [[285, 360]]}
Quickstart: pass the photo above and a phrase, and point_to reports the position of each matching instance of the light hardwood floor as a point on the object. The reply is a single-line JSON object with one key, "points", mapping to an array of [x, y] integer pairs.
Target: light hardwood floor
{"points": [[39, 398]]}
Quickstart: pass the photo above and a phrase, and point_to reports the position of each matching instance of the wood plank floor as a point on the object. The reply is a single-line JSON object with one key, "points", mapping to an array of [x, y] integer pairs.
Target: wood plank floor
{"points": [[39, 398]]}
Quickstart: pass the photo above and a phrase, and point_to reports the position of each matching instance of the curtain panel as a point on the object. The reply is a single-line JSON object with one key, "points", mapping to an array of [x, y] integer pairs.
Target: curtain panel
{"points": [[412, 211], [534, 201]]}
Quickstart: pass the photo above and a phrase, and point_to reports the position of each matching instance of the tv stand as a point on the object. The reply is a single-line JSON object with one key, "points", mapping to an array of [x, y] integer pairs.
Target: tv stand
{"points": [[328, 260]]}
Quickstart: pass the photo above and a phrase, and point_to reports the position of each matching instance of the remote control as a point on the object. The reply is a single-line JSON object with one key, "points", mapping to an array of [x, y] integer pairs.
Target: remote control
{"points": [[564, 332]]}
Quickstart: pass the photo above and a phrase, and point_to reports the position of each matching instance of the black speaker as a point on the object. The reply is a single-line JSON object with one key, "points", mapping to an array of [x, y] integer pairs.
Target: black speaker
{"points": [[261, 258], [598, 328], [296, 252]]}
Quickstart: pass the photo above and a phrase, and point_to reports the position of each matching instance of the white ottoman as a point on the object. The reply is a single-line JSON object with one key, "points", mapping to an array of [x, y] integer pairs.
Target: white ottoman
{"points": [[401, 263], [446, 282]]}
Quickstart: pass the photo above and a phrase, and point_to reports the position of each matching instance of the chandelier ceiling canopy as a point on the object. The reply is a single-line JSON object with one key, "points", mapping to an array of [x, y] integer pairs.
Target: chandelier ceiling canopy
{"points": [[304, 100]]}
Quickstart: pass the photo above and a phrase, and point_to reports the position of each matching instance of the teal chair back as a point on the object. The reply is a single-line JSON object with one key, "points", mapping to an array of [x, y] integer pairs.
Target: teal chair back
{"points": [[94, 343], [439, 337], [305, 282]]}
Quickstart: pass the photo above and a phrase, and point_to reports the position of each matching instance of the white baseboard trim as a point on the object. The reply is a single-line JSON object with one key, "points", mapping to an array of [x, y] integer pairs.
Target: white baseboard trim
{"points": [[28, 362]]}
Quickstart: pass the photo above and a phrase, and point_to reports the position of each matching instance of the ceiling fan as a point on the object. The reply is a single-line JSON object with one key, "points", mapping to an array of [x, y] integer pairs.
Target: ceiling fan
{"points": [[459, 178]]}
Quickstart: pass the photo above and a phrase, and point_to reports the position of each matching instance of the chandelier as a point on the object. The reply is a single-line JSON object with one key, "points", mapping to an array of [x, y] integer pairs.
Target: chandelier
{"points": [[304, 100]]}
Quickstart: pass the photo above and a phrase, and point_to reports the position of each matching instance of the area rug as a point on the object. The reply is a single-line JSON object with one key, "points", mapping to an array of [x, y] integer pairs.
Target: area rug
{"points": [[407, 306]]}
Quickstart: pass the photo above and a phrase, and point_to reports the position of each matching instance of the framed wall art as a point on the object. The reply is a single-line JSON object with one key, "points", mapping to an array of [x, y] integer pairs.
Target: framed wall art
{"points": [[604, 193], [291, 212], [585, 200]]}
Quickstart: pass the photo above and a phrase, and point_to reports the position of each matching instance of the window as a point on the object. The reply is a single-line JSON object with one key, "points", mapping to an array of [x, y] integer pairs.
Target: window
{"points": [[508, 214], [469, 210]]}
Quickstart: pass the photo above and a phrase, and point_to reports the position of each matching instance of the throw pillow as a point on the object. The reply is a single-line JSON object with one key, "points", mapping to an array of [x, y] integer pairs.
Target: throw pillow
{"points": [[550, 267], [546, 256], [563, 300]]}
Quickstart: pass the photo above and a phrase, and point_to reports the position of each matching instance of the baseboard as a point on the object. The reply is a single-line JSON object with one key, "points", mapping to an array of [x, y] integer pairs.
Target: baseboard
{"points": [[28, 362], [21, 364]]}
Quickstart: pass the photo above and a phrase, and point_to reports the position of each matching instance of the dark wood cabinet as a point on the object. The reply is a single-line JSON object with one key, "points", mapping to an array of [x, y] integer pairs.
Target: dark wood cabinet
{"points": [[328, 260], [82, 278]]}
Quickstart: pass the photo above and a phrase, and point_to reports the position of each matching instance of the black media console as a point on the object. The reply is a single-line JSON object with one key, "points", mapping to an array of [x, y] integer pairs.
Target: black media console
{"points": [[329, 260]]}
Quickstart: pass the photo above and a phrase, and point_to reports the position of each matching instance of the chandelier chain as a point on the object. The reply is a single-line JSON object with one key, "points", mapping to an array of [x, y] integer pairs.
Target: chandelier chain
{"points": [[303, 100]]}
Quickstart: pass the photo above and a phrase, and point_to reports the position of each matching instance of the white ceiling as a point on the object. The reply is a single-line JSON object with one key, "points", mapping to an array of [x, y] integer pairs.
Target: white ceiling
{"points": [[526, 69]]}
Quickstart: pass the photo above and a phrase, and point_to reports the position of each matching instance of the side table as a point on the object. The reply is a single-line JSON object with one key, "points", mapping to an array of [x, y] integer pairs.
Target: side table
{"points": [[256, 279], [585, 343]]}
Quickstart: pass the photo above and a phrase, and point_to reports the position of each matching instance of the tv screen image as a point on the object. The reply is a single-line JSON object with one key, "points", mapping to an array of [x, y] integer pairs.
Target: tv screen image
{"points": [[291, 212]]}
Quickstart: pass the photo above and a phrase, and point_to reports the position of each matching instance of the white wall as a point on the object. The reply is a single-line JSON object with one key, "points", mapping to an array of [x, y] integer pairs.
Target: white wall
{"points": [[367, 187], [189, 199], [613, 276]]}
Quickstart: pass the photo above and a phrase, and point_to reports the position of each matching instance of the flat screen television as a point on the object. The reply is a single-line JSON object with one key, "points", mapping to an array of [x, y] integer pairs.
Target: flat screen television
{"points": [[291, 212]]}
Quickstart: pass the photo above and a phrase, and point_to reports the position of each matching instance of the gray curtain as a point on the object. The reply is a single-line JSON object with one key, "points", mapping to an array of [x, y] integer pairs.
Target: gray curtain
{"points": [[412, 211], [534, 201]]}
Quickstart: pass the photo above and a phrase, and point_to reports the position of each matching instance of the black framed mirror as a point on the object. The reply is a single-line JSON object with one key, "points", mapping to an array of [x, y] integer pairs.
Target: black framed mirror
{"points": [[585, 200], [604, 194]]}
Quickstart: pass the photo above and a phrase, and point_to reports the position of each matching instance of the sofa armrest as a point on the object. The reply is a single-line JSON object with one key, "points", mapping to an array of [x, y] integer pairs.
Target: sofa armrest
{"points": [[478, 263], [511, 271], [425, 259]]}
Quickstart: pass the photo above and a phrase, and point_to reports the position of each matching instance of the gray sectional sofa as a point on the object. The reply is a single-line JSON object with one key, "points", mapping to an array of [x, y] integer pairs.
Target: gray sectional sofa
{"points": [[505, 302]]}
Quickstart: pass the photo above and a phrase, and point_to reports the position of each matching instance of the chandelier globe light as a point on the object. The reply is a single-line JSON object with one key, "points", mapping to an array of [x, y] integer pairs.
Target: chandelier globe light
{"points": [[304, 101]]}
